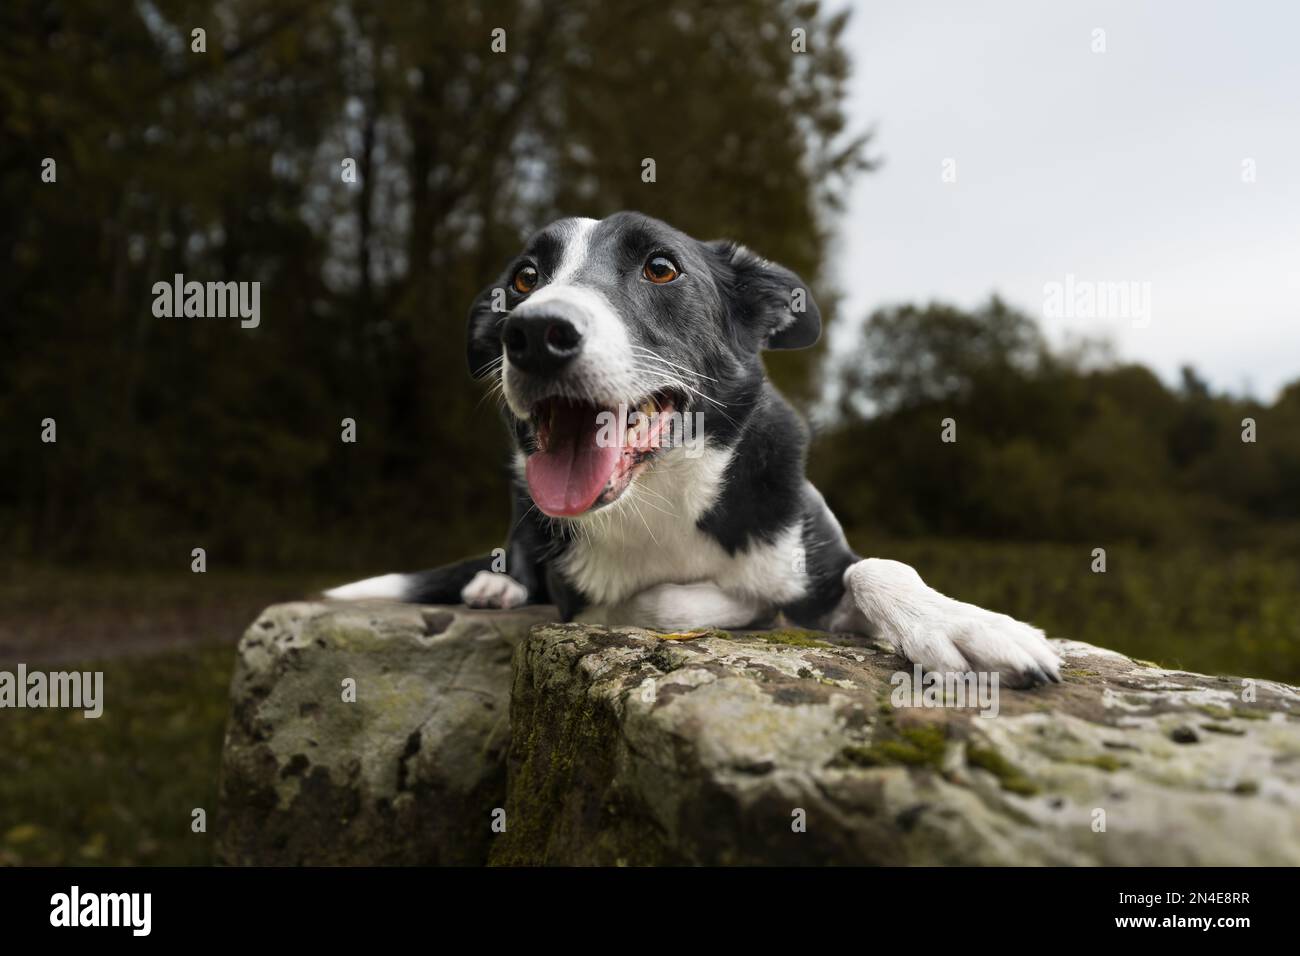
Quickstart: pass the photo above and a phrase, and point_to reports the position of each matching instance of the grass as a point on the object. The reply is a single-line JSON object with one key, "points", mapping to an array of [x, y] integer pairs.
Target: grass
{"points": [[121, 789]]}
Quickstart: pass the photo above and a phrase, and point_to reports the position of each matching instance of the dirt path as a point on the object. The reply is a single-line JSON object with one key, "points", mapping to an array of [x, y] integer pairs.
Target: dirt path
{"points": [[50, 618]]}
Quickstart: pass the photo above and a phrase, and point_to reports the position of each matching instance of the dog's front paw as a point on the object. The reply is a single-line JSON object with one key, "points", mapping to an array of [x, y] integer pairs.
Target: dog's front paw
{"points": [[942, 634], [493, 589]]}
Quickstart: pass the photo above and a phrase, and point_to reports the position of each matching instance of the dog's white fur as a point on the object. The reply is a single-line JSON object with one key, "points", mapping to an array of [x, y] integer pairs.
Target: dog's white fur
{"points": [[493, 589], [681, 607], [606, 371], [384, 587], [888, 600]]}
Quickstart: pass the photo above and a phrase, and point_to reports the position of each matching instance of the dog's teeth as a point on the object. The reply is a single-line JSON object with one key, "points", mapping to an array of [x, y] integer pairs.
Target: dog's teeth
{"points": [[631, 436]]}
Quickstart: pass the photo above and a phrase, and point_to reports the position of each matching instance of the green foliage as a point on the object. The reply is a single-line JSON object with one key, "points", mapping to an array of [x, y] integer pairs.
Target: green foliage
{"points": [[1049, 445]]}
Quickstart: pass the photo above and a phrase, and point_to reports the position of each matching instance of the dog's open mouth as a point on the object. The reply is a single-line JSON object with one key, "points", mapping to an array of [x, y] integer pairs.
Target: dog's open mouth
{"points": [[587, 454]]}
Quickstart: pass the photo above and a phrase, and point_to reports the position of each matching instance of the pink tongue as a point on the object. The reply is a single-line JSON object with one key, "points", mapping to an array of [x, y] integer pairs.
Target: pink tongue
{"points": [[569, 476]]}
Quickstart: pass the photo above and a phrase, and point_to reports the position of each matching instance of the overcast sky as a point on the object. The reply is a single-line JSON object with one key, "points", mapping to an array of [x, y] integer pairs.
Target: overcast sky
{"points": [[1124, 166]]}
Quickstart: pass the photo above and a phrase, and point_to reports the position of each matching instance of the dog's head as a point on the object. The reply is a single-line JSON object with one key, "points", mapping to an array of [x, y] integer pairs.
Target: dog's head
{"points": [[616, 340]]}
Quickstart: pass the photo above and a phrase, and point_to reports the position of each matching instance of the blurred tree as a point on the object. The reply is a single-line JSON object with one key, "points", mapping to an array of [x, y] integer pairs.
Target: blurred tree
{"points": [[910, 355], [1050, 444]]}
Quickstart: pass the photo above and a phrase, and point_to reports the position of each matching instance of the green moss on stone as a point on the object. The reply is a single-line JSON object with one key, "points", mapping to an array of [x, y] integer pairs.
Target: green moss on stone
{"points": [[1246, 713], [914, 747], [790, 636], [1009, 776], [1100, 761], [562, 765], [1224, 729]]}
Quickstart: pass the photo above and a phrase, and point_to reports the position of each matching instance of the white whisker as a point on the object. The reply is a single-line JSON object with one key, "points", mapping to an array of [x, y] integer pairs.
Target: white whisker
{"points": [[650, 353], [676, 381]]}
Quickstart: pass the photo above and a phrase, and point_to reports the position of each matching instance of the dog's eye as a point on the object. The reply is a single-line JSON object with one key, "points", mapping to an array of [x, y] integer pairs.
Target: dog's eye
{"points": [[660, 269], [525, 280]]}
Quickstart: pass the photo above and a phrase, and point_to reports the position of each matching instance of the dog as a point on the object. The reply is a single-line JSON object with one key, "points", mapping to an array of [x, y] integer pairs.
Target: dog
{"points": [[658, 476]]}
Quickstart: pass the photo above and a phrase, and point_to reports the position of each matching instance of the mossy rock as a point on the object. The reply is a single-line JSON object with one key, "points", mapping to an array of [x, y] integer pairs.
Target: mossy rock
{"points": [[475, 740]]}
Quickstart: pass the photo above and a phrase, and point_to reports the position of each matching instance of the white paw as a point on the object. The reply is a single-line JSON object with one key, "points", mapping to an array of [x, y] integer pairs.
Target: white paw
{"points": [[493, 589], [942, 634]]}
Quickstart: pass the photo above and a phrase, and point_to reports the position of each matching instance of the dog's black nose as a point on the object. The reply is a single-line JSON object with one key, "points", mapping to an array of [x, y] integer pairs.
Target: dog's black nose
{"points": [[540, 344]]}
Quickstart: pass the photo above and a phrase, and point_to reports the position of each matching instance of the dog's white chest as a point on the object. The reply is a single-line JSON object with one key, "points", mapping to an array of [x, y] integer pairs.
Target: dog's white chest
{"points": [[650, 538]]}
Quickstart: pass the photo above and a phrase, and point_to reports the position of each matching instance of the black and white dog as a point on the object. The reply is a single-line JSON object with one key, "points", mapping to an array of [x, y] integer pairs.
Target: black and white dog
{"points": [[659, 475]]}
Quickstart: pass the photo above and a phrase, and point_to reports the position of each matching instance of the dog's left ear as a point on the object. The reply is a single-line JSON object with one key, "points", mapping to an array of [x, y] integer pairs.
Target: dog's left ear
{"points": [[484, 337], [770, 298]]}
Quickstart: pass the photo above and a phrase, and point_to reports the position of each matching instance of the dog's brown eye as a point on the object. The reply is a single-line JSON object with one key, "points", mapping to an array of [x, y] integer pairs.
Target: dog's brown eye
{"points": [[525, 280], [660, 269]]}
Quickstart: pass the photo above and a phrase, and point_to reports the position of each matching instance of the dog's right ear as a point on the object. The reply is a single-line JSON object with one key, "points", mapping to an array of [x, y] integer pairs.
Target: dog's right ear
{"points": [[486, 316], [769, 299]]}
